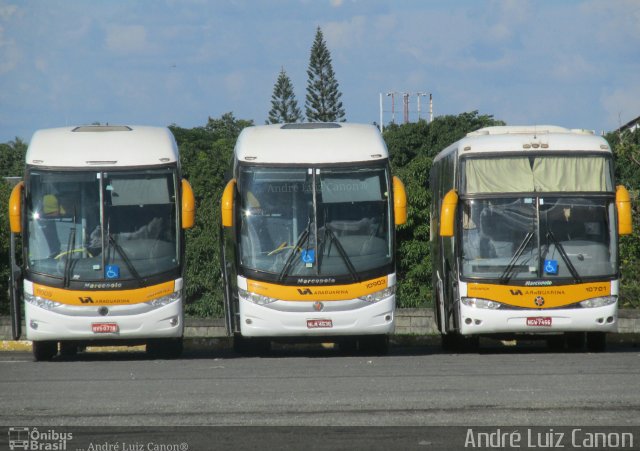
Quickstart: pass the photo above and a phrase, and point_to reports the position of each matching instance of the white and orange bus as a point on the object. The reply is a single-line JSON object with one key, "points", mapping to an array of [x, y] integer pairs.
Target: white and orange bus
{"points": [[101, 213], [524, 226], [308, 242]]}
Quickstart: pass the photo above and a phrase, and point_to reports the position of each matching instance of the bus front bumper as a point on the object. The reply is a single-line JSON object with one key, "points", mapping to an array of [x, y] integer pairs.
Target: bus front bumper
{"points": [[299, 319], [485, 321], [163, 322]]}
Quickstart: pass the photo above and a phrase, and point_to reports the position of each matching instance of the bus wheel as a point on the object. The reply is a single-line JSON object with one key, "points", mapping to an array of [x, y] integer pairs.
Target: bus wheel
{"points": [[453, 342], [68, 349], [168, 348], [449, 342], [375, 345], [44, 350], [596, 341], [348, 346], [555, 343], [253, 347], [468, 344], [575, 340]]}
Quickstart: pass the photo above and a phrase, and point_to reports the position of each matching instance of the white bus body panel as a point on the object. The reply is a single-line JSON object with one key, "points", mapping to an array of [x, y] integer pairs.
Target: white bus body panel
{"points": [[88, 146], [547, 138], [262, 321], [158, 323], [487, 321], [342, 144], [483, 321], [289, 318]]}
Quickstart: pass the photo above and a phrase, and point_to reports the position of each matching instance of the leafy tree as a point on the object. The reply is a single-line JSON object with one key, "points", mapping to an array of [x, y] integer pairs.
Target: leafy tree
{"points": [[412, 148], [626, 152], [205, 155], [284, 106], [11, 165], [12, 156], [323, 97]]}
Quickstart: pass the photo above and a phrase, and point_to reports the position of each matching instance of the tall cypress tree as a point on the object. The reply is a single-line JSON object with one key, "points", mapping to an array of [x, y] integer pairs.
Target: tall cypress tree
{"points": [[284, 106], [323, 97]]}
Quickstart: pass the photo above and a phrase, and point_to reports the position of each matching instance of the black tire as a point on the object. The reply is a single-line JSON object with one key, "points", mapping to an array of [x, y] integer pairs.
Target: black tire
{"points": [[468, 344], [374, 345], [166, 348], [596, 341], [68, 349], [449, 342], [556, 343], [348, 346], [252, 347], [44, 350], [575, 341]]}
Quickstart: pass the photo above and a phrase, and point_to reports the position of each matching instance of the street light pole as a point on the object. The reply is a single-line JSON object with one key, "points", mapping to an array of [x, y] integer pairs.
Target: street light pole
{"points": [[420, 94], [381, 117]]}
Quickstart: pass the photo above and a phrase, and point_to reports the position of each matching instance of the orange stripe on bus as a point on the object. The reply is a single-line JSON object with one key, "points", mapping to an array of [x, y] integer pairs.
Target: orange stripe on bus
{"points": [[319, 293], [528, 297], [115, 297]]}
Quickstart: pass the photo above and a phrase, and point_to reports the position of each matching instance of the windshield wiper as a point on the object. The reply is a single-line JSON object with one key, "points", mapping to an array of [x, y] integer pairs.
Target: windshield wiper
{"points": [[69, 254], [565, 257], [126, 259], [287, 265], [508, 272], [345, 257]]}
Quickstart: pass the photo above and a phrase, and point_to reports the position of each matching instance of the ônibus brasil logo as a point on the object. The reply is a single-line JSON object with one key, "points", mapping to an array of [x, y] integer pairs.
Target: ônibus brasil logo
{"points": [[28, 438]]}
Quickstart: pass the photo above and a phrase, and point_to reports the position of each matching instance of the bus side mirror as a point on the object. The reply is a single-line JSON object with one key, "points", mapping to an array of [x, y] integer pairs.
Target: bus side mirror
{"points": [[15, 208], [623, 204], [399, 202], [448, 213], [226, 206], [188, 205]]}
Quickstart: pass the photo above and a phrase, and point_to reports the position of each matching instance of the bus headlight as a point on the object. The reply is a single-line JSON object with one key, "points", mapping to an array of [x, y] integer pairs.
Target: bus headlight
{"points": [[379, 295], [256, 298], [43, 303], [599, 302], [164, 300], [481, 303]]}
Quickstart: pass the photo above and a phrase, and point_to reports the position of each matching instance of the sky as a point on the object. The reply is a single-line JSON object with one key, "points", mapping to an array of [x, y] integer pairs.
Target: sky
{"points": [[160, 62]]}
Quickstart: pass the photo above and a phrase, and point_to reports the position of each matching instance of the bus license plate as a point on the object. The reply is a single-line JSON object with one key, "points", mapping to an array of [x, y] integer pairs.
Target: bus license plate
{"points": [[319, 323], [539, 321], [104, 328]]}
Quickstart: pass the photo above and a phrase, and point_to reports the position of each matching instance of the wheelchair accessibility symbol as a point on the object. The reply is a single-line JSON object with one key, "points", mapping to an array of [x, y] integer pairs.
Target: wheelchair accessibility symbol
{"points": [[551, 267], [308, 256], [112, 271]]}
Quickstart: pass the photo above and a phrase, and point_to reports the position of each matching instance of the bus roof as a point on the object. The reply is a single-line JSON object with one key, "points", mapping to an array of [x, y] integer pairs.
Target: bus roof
{"points": [[310, 143], [538, 139], [102, 145]]}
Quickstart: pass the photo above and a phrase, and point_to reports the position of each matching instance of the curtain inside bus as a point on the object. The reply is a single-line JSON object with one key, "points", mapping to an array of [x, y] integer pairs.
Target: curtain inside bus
{"points": [[537, 174]]}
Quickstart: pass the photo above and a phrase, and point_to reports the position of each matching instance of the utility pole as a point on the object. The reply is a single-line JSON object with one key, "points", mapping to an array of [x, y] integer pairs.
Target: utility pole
{"points": [[381, 115], [420, 94], [430, 107], [405, 106], [405, 102], [393, 105]]}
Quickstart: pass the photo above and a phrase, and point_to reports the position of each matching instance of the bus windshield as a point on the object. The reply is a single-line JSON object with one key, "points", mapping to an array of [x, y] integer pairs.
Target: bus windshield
{"points": [[538, 237], [102, 226], [315, 222]]}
